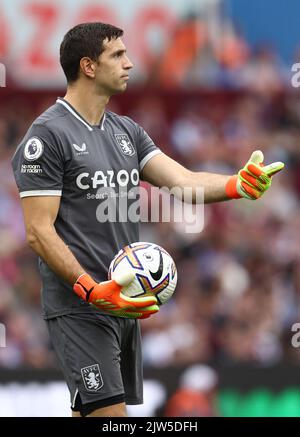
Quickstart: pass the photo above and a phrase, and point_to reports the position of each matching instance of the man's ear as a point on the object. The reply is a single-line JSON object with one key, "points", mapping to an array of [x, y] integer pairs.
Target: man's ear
{"points": [[87, 67]]}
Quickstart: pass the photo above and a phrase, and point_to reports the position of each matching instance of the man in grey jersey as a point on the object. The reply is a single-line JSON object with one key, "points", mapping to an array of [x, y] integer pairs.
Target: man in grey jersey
{"points": [[75, 155]]}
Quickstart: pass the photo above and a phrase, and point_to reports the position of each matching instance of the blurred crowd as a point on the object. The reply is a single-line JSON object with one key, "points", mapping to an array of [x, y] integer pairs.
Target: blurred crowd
{"points": [[238, 292], [216, 55]]}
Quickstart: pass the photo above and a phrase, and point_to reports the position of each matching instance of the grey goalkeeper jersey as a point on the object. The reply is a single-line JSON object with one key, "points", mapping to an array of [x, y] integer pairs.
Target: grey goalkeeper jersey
{"points": [[95, 171]]}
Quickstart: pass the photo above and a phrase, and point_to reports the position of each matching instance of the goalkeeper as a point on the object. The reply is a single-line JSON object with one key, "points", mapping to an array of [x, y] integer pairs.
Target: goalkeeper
{"points": [[71, 152]]}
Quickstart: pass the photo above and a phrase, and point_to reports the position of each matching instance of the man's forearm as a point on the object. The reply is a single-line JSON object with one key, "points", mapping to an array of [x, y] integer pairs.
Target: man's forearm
{"points": [[51, 248], [212, 184]]}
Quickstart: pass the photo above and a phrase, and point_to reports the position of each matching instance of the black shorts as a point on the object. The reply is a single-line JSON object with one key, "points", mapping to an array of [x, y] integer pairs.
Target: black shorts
{"points": [[100, 356]]}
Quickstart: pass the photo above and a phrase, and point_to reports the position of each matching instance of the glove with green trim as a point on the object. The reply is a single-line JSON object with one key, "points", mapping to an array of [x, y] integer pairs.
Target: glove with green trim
{"points": [[254, 179]]}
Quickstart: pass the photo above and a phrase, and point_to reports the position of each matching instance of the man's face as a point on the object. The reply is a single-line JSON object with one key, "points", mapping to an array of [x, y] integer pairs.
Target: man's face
{"points": [[112, 70]]}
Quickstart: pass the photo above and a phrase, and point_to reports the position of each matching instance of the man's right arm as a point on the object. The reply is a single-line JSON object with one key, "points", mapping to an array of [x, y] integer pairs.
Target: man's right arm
{"points": [[40, 213]]}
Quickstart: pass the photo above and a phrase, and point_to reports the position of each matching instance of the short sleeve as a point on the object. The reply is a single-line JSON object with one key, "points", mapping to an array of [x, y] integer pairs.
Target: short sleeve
{"points": [[145, 147], [38, 163]]}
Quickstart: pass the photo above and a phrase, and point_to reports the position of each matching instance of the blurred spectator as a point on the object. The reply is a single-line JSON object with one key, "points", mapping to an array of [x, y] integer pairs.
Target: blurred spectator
{"points": [[185, 45], [264, 74], [196, 395]]}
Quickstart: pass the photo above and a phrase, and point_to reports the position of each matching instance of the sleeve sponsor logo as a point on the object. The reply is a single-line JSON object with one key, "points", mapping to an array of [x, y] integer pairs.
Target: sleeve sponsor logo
{"points": [[33, 149], [31, 168]]}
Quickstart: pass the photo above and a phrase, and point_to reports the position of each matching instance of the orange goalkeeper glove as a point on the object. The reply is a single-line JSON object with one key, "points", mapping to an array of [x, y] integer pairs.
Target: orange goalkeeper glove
{"points": [[254, 179], [108, 297]]}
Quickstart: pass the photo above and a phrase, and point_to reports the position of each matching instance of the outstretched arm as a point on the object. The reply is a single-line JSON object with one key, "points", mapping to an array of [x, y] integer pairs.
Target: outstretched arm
{"points": [[250, 182]]}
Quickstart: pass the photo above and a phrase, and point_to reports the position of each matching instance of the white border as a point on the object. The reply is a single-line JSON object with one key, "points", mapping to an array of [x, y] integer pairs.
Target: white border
{"points": [[147, 157], [40, 193], [102, 124], [65, 104], [74, 399]]}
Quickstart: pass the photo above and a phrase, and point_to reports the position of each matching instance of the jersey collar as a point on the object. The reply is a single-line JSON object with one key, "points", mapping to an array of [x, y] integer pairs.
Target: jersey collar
{"points": [[78, 116]]}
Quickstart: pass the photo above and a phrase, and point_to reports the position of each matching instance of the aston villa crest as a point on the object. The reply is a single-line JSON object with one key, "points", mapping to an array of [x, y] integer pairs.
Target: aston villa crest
{"points": [[92, 377], [125, 144]]}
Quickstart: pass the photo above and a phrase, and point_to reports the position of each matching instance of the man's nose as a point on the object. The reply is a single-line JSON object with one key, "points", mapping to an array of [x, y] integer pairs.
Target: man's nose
{"points": [[128, 64]]}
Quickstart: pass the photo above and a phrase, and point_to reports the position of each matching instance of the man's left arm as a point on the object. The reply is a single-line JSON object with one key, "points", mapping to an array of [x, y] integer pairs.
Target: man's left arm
{"points": [[250, 182]]}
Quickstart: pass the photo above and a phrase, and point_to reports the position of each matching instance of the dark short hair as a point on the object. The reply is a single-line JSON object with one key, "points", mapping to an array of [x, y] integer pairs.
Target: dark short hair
{"points": [[85, 39]]}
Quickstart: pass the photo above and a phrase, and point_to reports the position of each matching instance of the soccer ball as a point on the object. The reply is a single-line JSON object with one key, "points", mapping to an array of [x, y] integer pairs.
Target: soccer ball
{"points": [[155, 271]]}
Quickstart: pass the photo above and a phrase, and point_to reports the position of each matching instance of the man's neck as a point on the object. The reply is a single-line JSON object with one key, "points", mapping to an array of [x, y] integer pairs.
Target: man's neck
{"points": [[87, 103]]}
